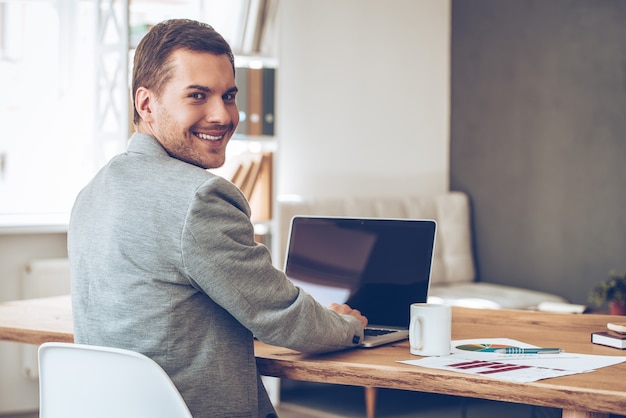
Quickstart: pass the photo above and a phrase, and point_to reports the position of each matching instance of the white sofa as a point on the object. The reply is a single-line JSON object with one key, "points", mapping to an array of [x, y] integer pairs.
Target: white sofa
{"points": [[453, 280]]}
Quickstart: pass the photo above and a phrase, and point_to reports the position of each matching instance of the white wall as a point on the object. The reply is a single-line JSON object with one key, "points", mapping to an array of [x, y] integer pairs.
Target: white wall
{"points": [[363, 97]]}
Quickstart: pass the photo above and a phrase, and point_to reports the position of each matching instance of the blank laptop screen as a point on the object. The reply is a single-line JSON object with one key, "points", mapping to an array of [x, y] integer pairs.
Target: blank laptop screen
{"points": [[382, 265]]}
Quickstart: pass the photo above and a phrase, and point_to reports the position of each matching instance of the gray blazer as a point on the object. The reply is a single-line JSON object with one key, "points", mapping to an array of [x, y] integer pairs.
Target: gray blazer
{"points": [[164, 262]]}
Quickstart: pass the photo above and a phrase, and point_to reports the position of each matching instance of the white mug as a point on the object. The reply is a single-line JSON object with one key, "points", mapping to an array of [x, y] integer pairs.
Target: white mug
{"points": [[430, 329]]}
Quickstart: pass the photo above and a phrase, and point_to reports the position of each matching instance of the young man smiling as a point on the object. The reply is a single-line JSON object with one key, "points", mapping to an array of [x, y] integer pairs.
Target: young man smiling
{"points": [[194, 114], [162, 252]]}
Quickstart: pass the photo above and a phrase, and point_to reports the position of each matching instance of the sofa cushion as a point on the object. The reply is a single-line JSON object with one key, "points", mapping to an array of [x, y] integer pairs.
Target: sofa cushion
{"points": [[489, 296], [453, 259]]}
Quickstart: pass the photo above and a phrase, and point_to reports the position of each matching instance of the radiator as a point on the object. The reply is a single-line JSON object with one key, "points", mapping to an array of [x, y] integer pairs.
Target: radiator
{"points": [[42, 278]]}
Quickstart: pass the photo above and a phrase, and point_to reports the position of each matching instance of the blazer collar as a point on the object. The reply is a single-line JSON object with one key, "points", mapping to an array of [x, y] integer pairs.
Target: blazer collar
{"points": [[145, 144]]}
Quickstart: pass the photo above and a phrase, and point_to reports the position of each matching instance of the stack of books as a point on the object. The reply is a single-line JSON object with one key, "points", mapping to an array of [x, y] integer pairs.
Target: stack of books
{"points": [[615, 336]]}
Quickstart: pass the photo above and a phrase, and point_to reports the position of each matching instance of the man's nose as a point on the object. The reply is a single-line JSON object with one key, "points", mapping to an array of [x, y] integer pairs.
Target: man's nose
{"points": [[218, 112]]}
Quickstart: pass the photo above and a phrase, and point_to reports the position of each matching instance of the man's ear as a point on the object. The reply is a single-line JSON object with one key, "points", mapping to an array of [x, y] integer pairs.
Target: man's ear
{"points": [[143, 103]]}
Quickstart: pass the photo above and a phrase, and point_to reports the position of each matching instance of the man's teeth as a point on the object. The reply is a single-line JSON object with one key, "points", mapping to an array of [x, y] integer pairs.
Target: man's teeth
{"points": [[209, 137]]}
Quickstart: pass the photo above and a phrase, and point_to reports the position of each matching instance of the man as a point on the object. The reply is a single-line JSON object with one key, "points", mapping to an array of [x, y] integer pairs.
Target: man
{"points": [[162, 252]]}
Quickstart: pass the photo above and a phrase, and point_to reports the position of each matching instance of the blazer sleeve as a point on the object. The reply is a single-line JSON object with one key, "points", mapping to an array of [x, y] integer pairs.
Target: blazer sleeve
{"points": [[222, 260]]}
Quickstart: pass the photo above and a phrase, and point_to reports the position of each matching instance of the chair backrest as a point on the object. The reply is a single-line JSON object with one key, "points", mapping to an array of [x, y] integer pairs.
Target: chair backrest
{"points": [[77, 381]]}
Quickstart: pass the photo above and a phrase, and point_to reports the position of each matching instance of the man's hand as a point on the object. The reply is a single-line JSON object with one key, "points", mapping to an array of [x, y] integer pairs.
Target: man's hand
{"points": [[347, 310]]}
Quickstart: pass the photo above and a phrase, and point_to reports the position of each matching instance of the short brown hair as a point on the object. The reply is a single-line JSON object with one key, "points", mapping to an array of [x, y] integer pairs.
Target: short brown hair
{"points": [[151, 68]]}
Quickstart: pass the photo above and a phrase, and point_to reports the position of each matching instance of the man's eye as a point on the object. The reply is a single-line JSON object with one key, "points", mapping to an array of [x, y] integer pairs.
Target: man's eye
{"points": [[229, 96], [198, 96]]}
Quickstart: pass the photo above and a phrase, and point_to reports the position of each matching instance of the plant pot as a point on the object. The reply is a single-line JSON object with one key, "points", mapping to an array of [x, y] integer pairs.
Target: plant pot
{"points": [[617, 308]]}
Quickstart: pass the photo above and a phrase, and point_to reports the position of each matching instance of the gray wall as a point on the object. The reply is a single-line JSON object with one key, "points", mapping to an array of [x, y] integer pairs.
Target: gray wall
{"points": [[538, 138]]}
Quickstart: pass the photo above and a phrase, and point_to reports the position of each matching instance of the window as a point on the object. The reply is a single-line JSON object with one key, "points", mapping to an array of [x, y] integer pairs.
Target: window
{"points": [[46, 80]]}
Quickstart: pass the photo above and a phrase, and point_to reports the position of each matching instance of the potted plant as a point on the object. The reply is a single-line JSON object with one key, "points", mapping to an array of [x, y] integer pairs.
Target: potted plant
{"points": [[611, 291]]}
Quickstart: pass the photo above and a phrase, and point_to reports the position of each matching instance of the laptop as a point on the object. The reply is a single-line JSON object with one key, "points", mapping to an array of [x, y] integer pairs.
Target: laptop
{"points": [[379, 266]]}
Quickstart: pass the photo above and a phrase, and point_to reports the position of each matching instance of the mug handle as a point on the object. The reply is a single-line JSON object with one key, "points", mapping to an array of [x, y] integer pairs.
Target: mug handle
{"points": [[419, 337]]}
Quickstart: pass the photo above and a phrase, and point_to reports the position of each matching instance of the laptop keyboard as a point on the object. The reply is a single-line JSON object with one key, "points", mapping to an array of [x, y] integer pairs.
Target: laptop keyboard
{"points": [[374, 332]]}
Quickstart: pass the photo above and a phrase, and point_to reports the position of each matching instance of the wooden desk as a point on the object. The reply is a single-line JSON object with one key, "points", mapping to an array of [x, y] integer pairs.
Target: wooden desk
{"points": [[36, 321], [590, 395]]}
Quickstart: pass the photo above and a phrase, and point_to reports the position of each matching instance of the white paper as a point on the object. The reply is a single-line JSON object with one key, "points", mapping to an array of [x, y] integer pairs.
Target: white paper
{"points": [[514, 367]]}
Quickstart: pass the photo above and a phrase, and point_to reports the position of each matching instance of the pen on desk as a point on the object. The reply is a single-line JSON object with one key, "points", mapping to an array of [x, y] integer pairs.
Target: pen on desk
{"points": [[518, 350]]}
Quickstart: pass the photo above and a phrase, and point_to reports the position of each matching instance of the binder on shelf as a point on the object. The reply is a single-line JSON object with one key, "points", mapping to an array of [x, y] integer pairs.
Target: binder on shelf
{"points": [[241, 79], [268, 101], [253, 176], [255, 101]]}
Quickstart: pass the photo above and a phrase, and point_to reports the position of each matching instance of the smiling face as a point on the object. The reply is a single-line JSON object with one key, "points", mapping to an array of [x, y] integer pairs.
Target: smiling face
{"points": [[196, 114]]}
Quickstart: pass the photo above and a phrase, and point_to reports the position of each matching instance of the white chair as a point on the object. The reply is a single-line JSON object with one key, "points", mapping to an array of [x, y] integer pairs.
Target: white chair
{"points": [[78, 381]]}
